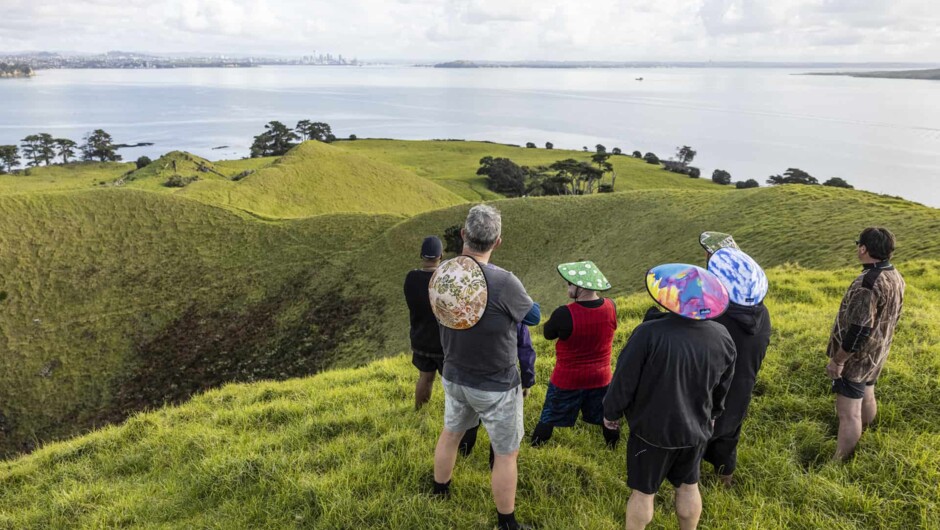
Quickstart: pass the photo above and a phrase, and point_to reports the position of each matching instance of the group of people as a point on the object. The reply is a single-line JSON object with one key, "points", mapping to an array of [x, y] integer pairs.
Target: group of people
{"points": [[683, 381]]}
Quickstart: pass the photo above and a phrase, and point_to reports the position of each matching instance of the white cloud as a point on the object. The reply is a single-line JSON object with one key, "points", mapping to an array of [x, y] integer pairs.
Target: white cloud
{"points": [[861, 30]]}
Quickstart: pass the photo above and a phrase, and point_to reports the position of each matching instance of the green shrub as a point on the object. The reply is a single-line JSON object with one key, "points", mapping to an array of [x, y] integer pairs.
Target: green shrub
{"points": [[179, 181]]}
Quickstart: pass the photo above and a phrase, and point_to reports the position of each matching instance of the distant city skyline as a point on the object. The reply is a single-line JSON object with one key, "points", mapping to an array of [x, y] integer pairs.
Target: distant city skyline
{"points": [[488, 30]]}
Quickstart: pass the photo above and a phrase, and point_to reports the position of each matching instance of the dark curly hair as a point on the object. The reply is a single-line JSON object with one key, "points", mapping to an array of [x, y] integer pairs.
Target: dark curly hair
{"points": [[879, 242]]}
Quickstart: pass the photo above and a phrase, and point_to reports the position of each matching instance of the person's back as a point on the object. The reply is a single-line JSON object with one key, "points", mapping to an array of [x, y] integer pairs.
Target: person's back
{"points": [[582, 359], [675, 368], [427, 352]]}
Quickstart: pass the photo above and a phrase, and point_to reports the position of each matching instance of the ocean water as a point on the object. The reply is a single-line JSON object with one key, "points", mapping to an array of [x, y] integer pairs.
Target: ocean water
{"points": [[881, 135]]}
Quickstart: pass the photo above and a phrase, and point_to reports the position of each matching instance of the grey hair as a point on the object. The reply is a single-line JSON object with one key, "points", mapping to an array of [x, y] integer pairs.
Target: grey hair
{"points": [[483, 227]]}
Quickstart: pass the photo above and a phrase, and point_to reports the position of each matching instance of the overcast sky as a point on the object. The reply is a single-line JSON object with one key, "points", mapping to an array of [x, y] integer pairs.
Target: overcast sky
{"points": [[627, 30]]}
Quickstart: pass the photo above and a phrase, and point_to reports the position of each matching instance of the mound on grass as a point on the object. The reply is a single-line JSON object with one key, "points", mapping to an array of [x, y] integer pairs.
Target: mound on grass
{"points": [[345, 450], [316, 178], [74, 176]]}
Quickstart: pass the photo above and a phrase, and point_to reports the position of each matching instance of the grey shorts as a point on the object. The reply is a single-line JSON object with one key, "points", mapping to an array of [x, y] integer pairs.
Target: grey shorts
{"points": [[500, 412]]}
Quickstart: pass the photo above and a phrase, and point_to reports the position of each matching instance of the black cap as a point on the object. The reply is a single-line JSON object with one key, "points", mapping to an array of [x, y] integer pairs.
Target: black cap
{"points": [[431, 248]]}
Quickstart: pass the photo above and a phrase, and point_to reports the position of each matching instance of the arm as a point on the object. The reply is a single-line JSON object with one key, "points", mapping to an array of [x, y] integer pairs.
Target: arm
{"points": [[559, 325], [526, 356], [626, 378], [724, 384], [534, 316]]}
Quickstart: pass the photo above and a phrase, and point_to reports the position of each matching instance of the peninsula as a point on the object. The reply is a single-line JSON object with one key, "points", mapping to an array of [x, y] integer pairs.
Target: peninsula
{"points": [[931, 74], [15, 70]]}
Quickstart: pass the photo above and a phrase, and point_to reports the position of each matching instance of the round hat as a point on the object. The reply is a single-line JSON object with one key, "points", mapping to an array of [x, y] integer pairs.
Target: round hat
{"points": [[458, 293], [584, 274], [688, 291], [744, 279], [712, 241]]}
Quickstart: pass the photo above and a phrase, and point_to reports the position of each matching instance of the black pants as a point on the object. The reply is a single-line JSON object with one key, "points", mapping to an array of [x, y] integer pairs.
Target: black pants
{"points": [[722, 452]]}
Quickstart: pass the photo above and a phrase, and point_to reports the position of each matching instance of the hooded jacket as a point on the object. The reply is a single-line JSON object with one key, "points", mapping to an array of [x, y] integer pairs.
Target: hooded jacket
{"points": [[749, 328]]}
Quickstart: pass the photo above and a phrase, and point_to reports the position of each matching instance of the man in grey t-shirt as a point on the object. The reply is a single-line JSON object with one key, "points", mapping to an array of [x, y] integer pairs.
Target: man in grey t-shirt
{"points": [[481, 380]]}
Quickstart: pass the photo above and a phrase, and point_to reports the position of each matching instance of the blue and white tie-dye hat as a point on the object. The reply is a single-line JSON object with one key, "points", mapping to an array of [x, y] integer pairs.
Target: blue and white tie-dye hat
{"points": [[745, 280]]}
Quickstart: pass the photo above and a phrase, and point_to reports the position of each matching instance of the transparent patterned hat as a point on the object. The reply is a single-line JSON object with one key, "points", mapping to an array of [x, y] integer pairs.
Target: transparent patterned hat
{"points": [[458, 293], [712, 241]]}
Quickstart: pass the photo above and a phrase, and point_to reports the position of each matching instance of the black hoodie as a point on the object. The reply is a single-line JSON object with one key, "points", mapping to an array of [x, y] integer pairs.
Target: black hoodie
{"points": [[671, 380], [750, 329]]}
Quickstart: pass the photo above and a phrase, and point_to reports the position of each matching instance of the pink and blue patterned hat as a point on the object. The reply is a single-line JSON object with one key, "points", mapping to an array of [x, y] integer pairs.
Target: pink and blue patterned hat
{"points": [[744, 279], [687, 290]]}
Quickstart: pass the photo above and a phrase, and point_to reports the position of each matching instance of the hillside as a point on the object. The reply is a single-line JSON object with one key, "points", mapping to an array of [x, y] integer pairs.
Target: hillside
{"points": [[315, 178], [631, 231], [453, 164], [345, 450]]}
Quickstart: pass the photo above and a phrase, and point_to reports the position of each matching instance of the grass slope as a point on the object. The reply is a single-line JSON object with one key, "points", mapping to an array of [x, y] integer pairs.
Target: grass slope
{"points": [[454, 164], [100, 287], [627, 233], [315, 178], [345, 450], [66, 177]]}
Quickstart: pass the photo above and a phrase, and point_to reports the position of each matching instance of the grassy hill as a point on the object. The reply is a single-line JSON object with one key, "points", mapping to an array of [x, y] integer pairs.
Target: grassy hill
{"points": [[315, 178], [344, 449], [453, 164]]}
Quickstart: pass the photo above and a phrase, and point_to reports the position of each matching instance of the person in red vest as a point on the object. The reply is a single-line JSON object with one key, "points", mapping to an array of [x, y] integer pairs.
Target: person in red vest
{"points": [[585, 332]]}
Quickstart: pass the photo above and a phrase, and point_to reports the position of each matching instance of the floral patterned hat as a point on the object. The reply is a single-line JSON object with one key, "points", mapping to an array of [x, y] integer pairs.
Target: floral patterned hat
{"points": [[688, 291], [458, 293], [712, 241], [584, 274]]}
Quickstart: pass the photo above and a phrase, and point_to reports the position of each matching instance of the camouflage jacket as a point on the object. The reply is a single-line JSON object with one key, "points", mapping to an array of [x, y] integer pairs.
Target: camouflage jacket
{"points": [[867, 317]]}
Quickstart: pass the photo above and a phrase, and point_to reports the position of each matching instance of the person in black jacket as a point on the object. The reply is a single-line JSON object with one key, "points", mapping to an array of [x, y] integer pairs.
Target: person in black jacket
{"points": [[748, 322], [670, 382], [427, 352]]}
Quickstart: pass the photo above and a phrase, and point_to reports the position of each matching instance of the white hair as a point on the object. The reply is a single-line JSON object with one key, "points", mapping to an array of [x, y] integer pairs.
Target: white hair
{"points": [[483, 227]]}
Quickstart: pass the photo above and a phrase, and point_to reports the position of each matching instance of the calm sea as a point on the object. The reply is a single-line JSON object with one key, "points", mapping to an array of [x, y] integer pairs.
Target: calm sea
{"points": [[881, 135]]}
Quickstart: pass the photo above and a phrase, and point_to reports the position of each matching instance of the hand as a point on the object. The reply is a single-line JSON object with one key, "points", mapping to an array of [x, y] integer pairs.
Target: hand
{"points": [[834, 369], [612, 425], [525, 392]]}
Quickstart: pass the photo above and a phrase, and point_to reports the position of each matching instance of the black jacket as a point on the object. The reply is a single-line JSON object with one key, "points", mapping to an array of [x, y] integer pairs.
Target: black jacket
{"points": [[671, 380], [425, 332], [750, 329]]}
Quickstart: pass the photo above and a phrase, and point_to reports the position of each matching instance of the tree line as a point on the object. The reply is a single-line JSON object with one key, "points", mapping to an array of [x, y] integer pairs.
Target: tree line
{"points": [[43, 149], [278, 138]]}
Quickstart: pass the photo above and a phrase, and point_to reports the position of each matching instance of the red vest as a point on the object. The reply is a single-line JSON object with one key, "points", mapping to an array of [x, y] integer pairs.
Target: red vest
{"points": [[583, 361]]}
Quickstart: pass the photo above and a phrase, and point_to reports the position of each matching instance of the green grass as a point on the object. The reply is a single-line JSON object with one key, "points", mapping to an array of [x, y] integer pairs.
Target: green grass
{"points": [[315, 178], [454, 164], [344, 449], [75, 176]]}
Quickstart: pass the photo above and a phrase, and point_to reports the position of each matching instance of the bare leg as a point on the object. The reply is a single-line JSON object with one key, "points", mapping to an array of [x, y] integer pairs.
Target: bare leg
{"points": [[639, 510], [445, 455], [869, 407], [505, 474], [423, 388], [850, 425], [688, 506]]}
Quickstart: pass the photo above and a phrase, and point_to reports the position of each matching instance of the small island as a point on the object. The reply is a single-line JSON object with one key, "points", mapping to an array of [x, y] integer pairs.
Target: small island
{"points": [[932, 74], [9, 70]]}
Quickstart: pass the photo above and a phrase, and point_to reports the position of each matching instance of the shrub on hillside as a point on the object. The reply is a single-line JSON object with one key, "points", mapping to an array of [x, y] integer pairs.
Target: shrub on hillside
{"points": [[749, 183], [793, 176], [693, 172], [651, 158], [616, 151], [353, 137], [243, 174], [720, 176], [503, 176], [549, 145], [179, 181], [637, 154], [605, 188], [453, 243], [837, 182], [530, 145], [143, 162]]}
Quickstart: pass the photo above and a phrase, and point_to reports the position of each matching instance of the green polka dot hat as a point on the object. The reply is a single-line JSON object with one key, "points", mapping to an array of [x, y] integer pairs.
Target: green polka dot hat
{"points": [[584, 274]]}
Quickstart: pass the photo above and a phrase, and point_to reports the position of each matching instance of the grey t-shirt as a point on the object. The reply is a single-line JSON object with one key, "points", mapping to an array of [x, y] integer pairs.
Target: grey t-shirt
{"points": [[485, 357]]}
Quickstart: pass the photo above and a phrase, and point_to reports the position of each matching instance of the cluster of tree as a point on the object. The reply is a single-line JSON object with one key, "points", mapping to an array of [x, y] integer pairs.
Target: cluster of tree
{"points": [[278, 138], [798, 176], [43, 149], [683, 157], [564, 177]]}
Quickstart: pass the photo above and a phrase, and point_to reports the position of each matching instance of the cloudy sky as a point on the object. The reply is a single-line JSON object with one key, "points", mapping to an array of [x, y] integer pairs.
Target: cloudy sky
{"points": [[701, 30]]}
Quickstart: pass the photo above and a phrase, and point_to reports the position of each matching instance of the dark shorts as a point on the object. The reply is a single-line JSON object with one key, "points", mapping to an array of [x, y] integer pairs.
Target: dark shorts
{"points": [[850, 389], [648, 465], [562, 406], [428, 362]]}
